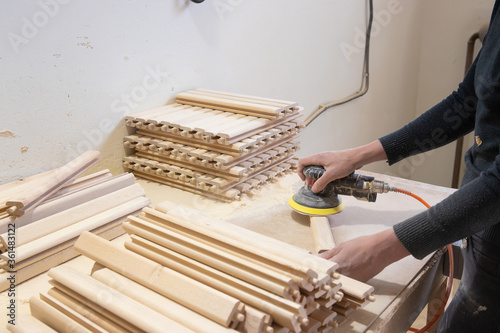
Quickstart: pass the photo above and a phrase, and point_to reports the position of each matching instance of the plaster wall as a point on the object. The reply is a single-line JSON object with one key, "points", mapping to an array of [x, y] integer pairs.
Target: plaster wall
{"points": [[71, 70]]}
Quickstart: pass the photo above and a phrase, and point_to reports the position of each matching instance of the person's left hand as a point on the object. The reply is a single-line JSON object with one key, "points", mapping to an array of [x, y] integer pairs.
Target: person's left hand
{"points": [[364, 257]]}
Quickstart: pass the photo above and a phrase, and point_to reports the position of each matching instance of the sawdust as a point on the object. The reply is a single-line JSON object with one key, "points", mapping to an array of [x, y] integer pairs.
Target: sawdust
{"points": [[24, 149], [479, 309], [7, 134], [266, 200]]}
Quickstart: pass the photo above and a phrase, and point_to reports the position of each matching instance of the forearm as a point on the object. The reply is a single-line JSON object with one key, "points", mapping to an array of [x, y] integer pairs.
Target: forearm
{"points": [[372, 152], [445, 122], [471, 209]]}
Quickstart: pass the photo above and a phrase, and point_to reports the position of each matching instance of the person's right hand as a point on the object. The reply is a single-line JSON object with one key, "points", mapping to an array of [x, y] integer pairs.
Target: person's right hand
{"points": [[339, 164]]}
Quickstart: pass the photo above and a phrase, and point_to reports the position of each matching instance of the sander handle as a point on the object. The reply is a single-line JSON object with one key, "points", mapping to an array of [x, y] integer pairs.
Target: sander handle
{"points": [[359, 186]]}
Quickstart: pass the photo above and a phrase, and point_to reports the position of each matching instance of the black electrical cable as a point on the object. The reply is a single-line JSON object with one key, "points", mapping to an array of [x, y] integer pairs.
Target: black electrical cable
{"points": [[365, 79]]}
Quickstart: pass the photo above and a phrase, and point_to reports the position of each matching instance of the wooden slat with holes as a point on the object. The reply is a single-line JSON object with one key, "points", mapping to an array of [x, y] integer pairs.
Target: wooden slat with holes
{"points": [[233, 168], [210, 187], [214, 135]]}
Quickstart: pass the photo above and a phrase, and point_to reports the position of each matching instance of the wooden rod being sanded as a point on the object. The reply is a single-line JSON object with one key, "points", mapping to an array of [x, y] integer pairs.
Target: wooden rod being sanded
{"points": [[322, 233]]}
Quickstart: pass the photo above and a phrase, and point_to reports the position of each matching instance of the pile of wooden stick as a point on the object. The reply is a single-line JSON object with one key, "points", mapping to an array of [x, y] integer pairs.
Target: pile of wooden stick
{"points": [[217, 144], [202, 275], [18, 197], [44, 235]]}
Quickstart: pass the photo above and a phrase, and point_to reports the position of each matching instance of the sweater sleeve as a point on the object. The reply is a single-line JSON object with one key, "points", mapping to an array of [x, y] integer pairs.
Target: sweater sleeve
{"points": [[472, 208], [445, 122]]}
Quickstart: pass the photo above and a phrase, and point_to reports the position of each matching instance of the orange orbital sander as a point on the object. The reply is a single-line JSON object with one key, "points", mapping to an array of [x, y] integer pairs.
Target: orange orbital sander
{"points": [[327, 201]]}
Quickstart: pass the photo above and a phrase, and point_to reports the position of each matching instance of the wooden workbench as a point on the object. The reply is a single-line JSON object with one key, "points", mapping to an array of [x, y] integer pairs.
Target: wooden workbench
{"points": [[402, 289]]}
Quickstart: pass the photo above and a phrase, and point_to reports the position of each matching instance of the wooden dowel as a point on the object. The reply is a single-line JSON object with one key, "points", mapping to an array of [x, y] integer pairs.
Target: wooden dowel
{"points": [[235, 148], [106, 229], [60, 236], [285, 312], [207, 301], [230, 123], [81, 183], [157, 302], [173, 119], [215, 257], [138, 233], [55, 258], [322, 233], [256, 321], [217, 117], [107, 316], [312, 326], [69, 200], [354, 287], [323, 315], [53, 318], [301, 274], [46, 186], [146, 121], [90, 313], [253, 241], [228, 105], [212, 127], [117, 303], [72, 215], [257, 242], [70, 313], [254, 98], [145, 113], [244, 128]]}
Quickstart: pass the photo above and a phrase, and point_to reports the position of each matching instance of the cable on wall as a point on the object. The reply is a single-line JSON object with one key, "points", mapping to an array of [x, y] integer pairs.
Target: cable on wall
{"points": [[364, 78]]}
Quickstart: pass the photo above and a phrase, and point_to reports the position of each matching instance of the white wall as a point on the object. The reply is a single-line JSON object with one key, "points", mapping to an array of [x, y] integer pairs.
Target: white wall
{"points": [[71, 70]]}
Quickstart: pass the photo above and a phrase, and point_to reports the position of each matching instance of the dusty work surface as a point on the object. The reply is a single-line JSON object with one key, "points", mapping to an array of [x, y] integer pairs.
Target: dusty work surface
{"points": [[267, 212]]}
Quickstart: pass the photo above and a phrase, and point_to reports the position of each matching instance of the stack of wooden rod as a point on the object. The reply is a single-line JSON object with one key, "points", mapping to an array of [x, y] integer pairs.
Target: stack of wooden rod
{"points": [[19, 197], [213, 143], [42, 237], [202, 274]]}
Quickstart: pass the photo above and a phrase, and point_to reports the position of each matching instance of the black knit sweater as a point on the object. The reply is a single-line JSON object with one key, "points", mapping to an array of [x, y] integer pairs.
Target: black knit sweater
{"points": [[475, 105]]}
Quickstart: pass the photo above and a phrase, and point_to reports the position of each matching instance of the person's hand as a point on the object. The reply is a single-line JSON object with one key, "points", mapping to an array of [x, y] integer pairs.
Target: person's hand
{"points": [[337, 164], [364, 257], [341, 163]]}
